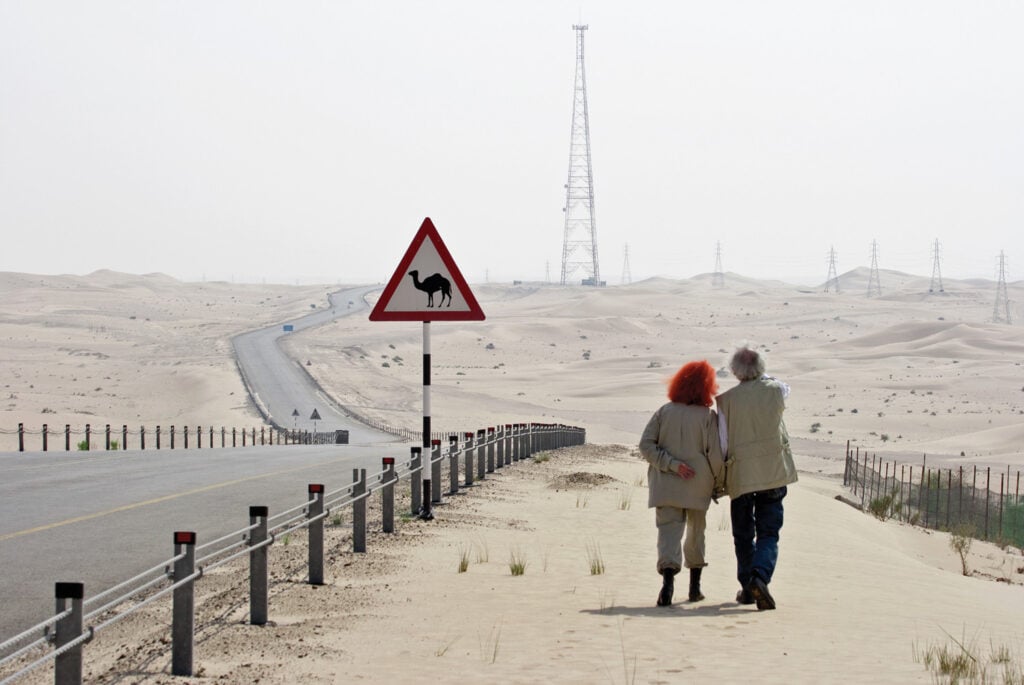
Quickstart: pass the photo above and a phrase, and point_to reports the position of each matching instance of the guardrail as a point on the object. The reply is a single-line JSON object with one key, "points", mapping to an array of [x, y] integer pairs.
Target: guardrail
{"points": [[78, 619], [109, 438]]}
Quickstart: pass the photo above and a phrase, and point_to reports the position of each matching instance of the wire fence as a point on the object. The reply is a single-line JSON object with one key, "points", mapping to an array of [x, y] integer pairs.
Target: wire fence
{"points": [[58, 641], [979, 503]]}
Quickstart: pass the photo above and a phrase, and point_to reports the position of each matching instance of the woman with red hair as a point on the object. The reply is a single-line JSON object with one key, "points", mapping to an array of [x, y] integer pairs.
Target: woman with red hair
{"points": [[682, 447]]}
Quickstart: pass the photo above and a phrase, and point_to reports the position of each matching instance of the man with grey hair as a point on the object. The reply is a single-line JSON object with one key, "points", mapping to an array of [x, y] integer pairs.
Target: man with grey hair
{"points": [[759, 466]]}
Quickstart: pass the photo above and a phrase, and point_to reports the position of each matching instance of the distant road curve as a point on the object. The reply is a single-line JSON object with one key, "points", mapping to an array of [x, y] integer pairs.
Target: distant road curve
{"points": [[279, 386]]}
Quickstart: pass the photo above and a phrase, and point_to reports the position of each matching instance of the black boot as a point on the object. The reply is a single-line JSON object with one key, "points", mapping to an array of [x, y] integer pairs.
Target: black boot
{"points": [[695, 593], [667, 586]]}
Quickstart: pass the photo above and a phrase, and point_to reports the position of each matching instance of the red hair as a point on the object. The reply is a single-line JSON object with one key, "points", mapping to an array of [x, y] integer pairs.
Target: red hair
{"points": [[693, 384]]}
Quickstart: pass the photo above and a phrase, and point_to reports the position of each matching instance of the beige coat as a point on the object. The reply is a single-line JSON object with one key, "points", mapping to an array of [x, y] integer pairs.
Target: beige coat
{"points": [[758, 444], [676, 434]]}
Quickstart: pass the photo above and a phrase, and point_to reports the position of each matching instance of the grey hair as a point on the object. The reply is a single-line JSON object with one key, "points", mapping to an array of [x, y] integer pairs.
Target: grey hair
{"points": [[747, 364]]}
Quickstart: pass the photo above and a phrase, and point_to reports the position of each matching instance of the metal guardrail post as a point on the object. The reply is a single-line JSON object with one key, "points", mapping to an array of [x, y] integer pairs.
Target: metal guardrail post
{"points": [[468, 449], [480, 466], [527, 436], [512, 435], [359, 510], [316, 534], [106, 433], [387, 495], [67, 437], [88, 437], [124, 436], [416, 479], [183, 613], [68, 666], [158, 437], [184, 434], [490, 450], [453, 464], [435, 470], [45, 428], [21, 437], [259, 584], [499, 445], [199, 438], [172, 436]]}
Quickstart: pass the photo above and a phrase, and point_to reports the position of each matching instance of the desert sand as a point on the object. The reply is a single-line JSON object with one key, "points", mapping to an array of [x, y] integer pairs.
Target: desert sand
{"points": [[860, 600]]}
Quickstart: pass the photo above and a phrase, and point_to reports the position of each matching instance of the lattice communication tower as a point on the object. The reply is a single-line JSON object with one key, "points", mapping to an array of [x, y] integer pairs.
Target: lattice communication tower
{"points": [[874, 285], [579, 246], [936, 270], [832, 281], [627, 275], [1001, 312], [718, 276]]}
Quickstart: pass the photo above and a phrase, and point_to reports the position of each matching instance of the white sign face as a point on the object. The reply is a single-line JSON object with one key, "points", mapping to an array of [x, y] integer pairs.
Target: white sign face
{"points": [[427, 286]]}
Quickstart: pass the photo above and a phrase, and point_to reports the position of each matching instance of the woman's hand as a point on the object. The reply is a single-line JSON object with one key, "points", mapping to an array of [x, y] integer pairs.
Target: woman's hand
{"points": [[685, 472]]}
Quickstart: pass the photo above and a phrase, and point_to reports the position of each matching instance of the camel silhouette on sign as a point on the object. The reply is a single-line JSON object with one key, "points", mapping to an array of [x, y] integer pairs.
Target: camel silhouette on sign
{"points": [[430, 285]]}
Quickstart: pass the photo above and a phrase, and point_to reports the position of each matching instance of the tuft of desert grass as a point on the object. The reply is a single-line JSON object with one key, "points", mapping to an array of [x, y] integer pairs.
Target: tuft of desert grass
{"points": [[517, 562], [594, 558]]}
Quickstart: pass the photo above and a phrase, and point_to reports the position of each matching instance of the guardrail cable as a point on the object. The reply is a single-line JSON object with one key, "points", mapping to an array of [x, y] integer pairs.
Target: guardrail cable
{"points": [[161, 568]]}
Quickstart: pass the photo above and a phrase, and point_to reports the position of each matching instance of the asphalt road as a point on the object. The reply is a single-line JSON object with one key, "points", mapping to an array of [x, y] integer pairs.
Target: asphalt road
{"points": [[280, 386], [102, 517]]}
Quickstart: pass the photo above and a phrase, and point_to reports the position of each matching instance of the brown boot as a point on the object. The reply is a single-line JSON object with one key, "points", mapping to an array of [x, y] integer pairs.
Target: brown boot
{"points": [[695, 593]]}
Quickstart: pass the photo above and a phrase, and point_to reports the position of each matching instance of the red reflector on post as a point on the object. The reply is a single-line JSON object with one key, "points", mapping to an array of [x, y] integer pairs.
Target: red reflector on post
{"points": [[184, 538], [435, 443], [315, 488], [389, 461]]}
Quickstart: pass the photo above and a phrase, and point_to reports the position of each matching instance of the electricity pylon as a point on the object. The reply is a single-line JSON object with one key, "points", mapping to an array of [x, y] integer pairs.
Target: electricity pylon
{"points": [[936, 270], [874, 285], [833, 275], [579, 245], [718, 277], [627, 276], [1002, 297]]}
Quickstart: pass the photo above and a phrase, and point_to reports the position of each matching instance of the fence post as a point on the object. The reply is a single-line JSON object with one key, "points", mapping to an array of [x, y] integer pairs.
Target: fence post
{"points": [[67, 437], [158, 437], [949, 495], [387, 495], [316, 534], [124, 436], [199, 437], [499, 445], [254, 436], [183, 613], [184, 433], [223, 436], [999, 536], [468, 451], [211, 438], [358, 510], [172, 436], [107, 438], [416, 479], [88, 437], [846, 466], [263, 435], [68, 666], [44, 436], [453, 464], [480, 447], [21, 437], [988, 492], [490, 450], [258, 582], [435, 470]]}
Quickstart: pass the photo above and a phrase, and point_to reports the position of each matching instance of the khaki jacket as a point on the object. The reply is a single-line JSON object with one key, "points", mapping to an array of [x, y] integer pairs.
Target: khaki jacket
{"points": [[758, 454], [676, 434]]}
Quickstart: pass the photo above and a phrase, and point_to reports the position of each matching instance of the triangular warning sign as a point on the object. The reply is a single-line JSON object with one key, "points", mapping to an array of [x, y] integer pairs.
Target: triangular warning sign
{"points": [[315, 416], [427, 285]]}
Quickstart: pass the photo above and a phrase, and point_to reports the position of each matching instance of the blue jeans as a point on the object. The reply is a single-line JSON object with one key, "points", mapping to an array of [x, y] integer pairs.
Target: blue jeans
{"points": [[756, 521]]}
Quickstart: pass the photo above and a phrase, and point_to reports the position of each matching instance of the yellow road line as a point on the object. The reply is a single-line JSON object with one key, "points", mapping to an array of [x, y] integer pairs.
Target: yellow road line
{"points": [[157, 500]]}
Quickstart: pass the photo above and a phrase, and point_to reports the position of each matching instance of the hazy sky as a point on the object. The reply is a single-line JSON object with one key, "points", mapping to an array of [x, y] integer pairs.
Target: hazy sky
{"points": [[299, 141]]}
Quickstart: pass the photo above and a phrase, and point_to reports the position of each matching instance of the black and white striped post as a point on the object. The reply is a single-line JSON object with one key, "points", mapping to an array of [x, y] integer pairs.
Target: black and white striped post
{"points": [[425, 509]]}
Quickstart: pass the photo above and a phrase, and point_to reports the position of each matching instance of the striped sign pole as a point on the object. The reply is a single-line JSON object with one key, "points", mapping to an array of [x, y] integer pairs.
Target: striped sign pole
{"points": [[425, 511]]}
